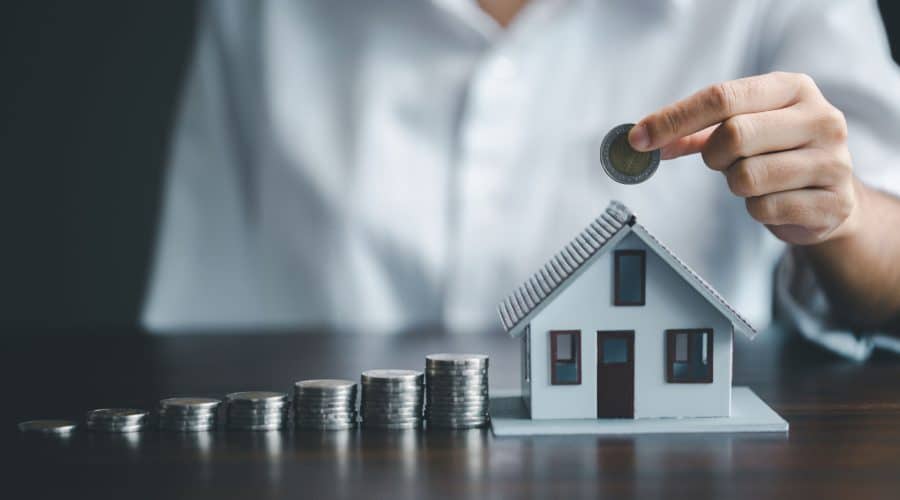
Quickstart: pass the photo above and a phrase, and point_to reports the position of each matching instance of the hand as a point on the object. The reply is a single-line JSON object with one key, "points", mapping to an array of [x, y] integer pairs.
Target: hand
{"points": [[781, 145]]}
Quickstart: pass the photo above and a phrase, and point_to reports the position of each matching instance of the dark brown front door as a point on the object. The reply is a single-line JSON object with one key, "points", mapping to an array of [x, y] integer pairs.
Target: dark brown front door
{"points": [[615, 374]]}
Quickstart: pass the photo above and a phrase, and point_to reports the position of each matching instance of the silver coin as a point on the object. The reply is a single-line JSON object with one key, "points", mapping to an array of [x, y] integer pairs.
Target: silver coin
{"points": [[264, 416], [326, 427], [474, 425], [621, 162], [456, 359], [451, 397], [189, 405], [382, 406], [55, 427], [333, 416], [457, 406], [183, 423], [457, 416], [256, 420], [383, 376], [117, 414], [395, 414], [329, 385], [393, 425], [455, 375], [393, 402], [307, 401], [187, 417], [457, 422], [346, 411], [257, 397], [457, 386], [393, 392], [405, 420], [347, 418], [117, 428], [458, 395]]}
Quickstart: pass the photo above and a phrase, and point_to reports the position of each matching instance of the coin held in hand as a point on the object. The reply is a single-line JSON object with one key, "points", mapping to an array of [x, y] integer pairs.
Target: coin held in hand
{"points": [[623, 163]]}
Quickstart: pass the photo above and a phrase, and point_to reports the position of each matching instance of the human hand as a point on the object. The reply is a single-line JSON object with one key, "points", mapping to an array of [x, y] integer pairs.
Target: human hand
{"points": [[781, 145]]}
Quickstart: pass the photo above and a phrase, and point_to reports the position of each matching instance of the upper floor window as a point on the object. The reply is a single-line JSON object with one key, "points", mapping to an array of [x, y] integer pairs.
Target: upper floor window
{"points": [[565, 357], [689, 356], [629, 277]]}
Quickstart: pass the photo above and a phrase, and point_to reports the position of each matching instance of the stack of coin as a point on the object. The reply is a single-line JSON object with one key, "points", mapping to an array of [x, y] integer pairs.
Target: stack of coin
{"points": [[117, 420], [188, 414], [257, 410], [392, 399], [63, 428], [325, 404], [457, 391]]}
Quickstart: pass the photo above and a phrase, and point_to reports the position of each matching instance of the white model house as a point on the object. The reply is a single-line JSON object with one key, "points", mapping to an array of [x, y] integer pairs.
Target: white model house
{"points": [[616, 326]]}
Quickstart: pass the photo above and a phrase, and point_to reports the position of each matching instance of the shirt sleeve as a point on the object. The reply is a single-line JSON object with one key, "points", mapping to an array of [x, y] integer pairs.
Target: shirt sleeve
{"points": [[842, 45]]}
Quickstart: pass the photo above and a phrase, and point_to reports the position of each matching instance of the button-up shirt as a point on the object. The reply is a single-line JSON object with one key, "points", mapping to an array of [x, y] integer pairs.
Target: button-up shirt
{"points": [[383, 166]]}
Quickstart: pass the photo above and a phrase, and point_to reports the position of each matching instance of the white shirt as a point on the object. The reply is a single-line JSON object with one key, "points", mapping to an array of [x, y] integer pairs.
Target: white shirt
{"points": [[382, 166]]}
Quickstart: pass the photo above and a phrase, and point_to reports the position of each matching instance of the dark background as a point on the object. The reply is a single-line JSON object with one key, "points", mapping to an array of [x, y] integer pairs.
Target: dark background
{"points": [[88, 92]]}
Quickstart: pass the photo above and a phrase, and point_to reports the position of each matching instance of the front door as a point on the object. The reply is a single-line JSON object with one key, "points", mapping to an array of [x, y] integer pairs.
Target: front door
{"points": [[615, 374]]}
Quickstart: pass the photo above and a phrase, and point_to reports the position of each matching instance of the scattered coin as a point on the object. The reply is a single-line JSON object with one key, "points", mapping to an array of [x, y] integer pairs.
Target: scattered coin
{"points": [[623, 163], [53, 427]]}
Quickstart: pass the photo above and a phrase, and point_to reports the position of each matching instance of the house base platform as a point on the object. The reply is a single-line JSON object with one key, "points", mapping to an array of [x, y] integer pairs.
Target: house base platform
{"points": [[749, 413]]}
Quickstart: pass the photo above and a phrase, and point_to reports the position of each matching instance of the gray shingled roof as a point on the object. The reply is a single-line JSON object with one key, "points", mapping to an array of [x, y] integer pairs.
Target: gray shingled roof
{"points": [[612, 225]]}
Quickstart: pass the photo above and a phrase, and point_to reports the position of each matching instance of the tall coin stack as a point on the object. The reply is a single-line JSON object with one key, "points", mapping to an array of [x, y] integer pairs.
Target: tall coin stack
{"points": [[257, 410], [392, 399], [188, 414], [325, 404], [457, 386], [117, 420]]}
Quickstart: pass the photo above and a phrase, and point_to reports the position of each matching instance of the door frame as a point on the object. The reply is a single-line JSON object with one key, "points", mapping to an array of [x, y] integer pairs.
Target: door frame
{"points": [[629, 336]]}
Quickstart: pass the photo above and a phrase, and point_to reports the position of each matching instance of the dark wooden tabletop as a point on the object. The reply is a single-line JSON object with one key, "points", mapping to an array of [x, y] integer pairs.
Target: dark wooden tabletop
{"points": [[844, 440]]}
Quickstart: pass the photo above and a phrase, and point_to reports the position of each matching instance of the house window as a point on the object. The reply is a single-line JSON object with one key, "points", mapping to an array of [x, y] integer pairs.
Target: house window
{"points": [[630, 282], [689, 356], [565, 357]]}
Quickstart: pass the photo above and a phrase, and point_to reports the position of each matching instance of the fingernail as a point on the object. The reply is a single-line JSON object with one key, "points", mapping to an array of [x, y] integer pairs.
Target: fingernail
{"points": [[639, 137]]}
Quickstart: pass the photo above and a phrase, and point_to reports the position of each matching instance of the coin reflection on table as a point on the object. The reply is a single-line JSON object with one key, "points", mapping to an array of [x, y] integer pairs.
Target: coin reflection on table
{"points": [[623, 163]]}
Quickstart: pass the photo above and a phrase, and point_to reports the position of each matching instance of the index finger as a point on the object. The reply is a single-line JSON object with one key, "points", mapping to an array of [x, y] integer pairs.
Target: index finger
{"points": [[713, 105]]}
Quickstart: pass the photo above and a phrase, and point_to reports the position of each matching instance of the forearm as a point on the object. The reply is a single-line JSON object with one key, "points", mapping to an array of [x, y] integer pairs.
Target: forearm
{"points": [[860, 272]]}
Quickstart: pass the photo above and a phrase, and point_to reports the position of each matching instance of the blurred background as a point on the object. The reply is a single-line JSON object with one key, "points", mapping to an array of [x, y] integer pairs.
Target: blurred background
{"points": [[88, 97]]}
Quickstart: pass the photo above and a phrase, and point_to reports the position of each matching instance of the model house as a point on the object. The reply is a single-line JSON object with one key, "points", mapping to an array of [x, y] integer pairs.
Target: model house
{"points": [[616, 326]]}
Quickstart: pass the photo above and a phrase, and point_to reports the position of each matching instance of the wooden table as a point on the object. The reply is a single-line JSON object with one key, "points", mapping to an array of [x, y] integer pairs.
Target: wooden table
{"points": [[844, 440]]}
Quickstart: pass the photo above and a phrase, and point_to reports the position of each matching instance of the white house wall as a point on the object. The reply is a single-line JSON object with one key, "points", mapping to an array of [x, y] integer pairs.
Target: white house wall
{"points": [[587, 305]]}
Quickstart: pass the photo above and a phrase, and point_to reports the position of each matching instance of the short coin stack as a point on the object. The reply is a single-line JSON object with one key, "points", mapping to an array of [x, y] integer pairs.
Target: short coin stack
{"points": [[392, 399], [257, 410], [117, 420], [325, 404], [188, 414], [457, 391]]}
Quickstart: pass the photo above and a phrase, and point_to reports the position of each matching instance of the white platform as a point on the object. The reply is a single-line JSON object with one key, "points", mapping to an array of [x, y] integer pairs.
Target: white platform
{"points": [[748, 414]]}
